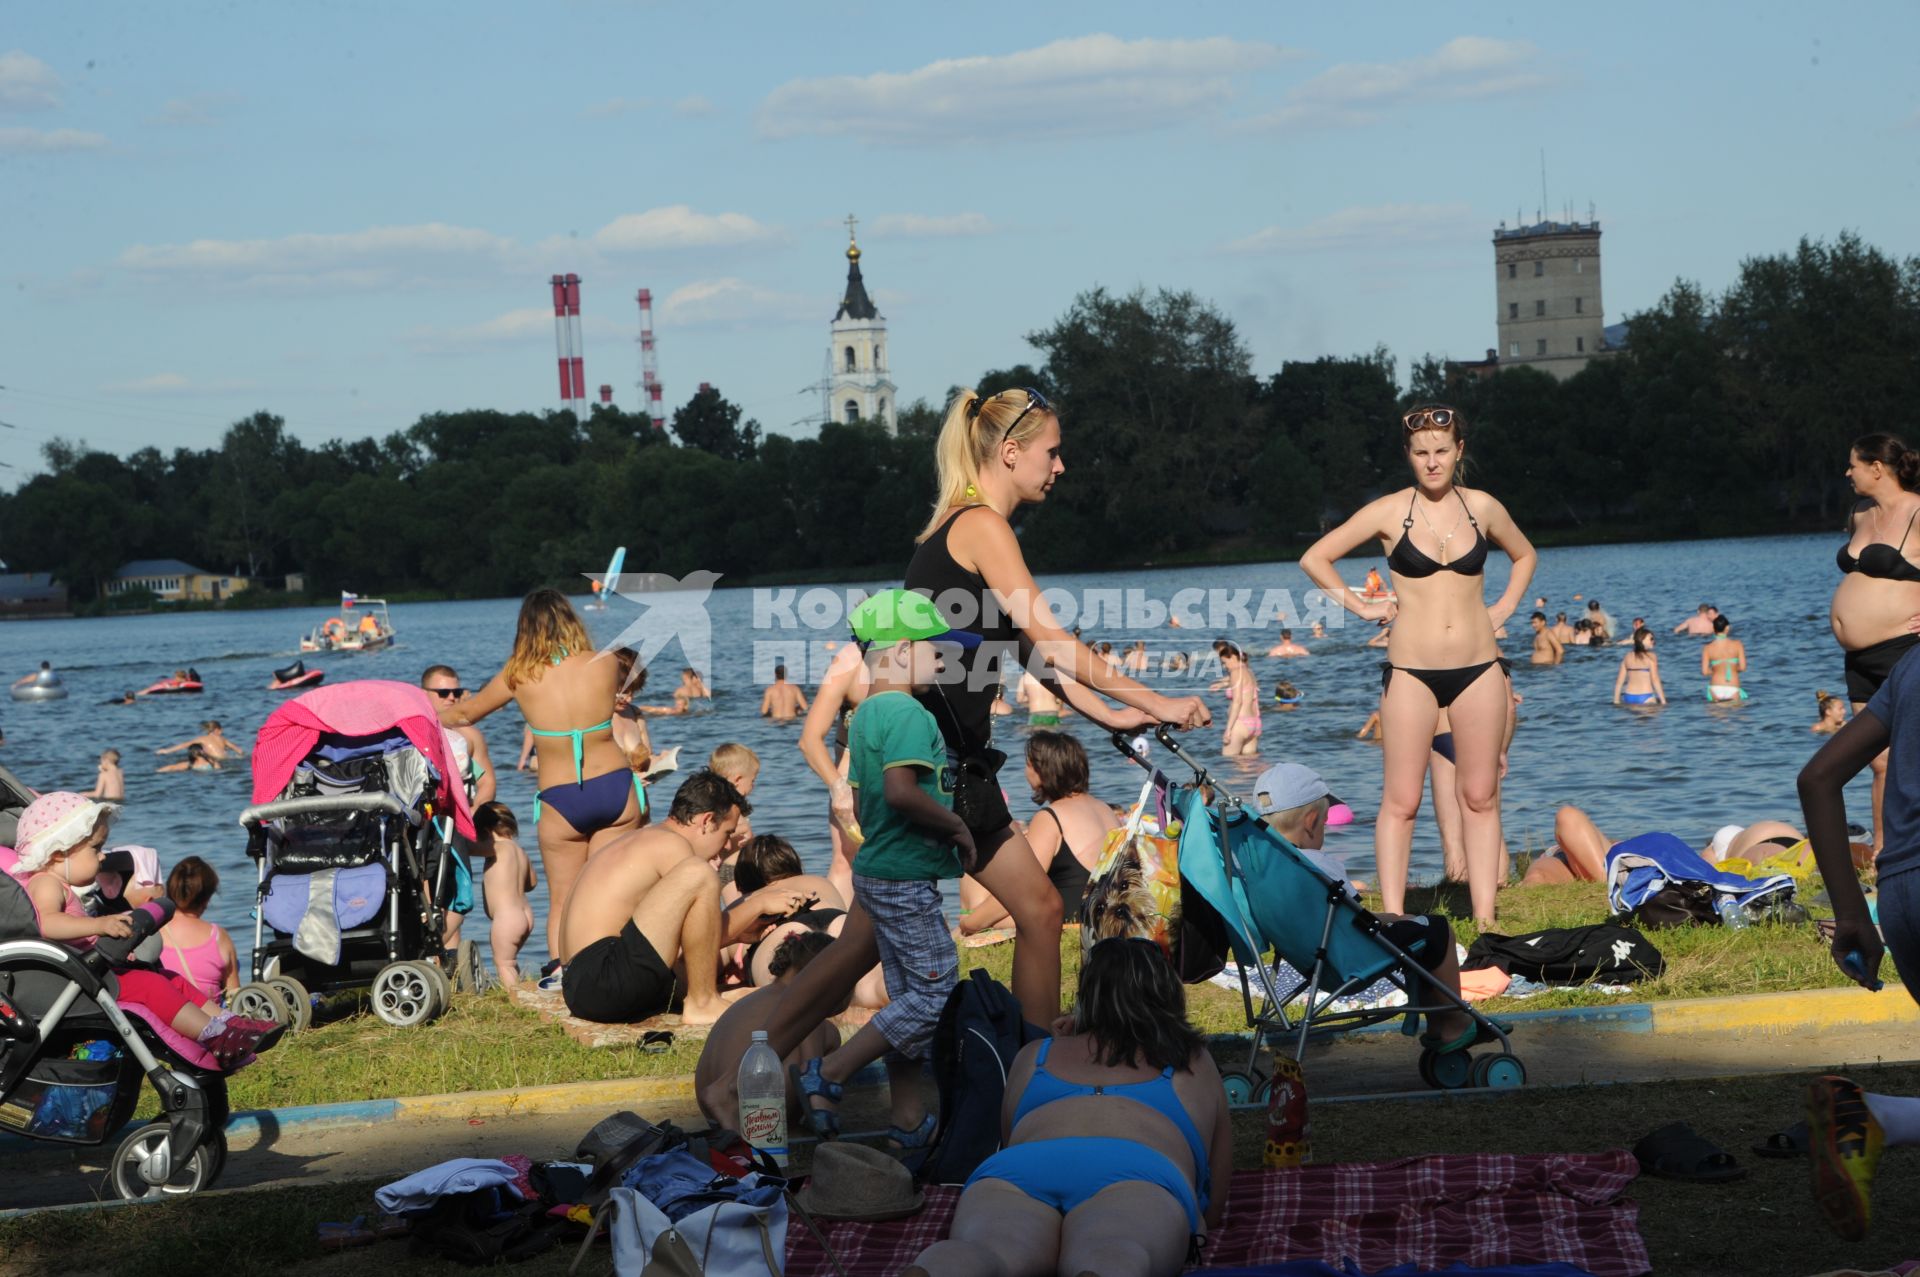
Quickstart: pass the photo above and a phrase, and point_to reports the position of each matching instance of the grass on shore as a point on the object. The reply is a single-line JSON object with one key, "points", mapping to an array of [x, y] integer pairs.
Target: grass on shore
{"points": [[489, 1043], [1765, 1226]]}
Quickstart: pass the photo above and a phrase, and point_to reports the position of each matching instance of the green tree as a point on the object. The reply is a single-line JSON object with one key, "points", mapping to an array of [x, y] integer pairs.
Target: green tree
{"points": [[712, 424]]}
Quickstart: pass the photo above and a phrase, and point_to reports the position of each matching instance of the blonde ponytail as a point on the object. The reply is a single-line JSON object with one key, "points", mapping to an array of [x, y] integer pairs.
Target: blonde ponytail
{"points": [[973, 430]]}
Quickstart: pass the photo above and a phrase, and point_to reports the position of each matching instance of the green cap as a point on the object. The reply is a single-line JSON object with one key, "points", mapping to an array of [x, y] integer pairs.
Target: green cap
{"points": [[896, 616]]}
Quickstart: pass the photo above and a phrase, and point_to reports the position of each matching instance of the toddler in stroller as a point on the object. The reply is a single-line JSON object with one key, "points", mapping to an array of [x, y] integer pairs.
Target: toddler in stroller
{"points": [[80, 1023]]}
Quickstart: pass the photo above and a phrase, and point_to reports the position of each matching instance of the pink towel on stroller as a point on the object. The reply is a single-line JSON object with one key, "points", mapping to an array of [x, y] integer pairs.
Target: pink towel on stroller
{"points": [[365, 708]]}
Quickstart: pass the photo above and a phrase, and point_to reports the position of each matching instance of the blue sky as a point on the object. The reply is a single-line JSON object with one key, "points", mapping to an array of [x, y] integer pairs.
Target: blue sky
{"points": [[347, 213]]}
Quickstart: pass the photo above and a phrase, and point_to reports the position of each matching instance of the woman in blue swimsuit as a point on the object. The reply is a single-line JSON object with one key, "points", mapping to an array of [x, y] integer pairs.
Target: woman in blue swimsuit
{"points": [[1118, 1146], [566, 692], [1442, 654], [1638, 682]]}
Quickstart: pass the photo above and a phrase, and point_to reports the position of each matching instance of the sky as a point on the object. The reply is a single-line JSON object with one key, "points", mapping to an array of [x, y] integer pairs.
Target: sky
{"points": [[347, 213]]}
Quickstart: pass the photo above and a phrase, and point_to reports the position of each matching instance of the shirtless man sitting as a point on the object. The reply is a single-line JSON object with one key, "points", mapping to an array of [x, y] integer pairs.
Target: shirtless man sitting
{"points": [[1286, 646], [1547, 650], [782, 702], [644, 915]]}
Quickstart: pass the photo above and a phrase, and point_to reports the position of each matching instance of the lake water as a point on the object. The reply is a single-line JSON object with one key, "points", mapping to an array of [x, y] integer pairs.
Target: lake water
{"points": [[1689, 767]]}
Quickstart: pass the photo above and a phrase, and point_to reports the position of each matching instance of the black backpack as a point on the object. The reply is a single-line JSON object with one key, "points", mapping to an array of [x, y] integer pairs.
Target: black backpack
{"points": [[980, 1031], [1570, 955]]}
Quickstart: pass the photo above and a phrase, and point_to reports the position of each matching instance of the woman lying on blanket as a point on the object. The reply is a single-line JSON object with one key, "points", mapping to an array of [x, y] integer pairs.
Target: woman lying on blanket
{"points": [[1118, 1148]]}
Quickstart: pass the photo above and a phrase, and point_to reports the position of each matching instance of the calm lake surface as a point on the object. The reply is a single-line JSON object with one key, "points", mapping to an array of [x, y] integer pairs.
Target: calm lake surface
{"points": [[1689, 767]]}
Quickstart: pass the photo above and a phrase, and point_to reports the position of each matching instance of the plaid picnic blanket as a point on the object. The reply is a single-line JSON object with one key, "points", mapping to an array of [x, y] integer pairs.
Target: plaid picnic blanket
{"points": [[1478, 1209]]}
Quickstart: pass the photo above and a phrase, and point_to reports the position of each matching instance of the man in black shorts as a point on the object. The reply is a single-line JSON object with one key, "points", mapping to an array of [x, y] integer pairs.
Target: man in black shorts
{"points": [[645, 913]]}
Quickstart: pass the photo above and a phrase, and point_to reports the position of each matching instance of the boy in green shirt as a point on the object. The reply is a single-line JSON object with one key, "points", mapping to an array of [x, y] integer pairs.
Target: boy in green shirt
{"points": [[904, 795]]}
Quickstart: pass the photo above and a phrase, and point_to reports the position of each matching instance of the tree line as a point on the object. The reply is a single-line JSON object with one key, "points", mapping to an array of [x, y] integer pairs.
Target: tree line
{"points": [[1726, 414]]}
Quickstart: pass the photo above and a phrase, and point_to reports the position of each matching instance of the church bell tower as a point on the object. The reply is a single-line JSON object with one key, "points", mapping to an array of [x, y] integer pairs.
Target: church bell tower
{"points": [[858, 387]]}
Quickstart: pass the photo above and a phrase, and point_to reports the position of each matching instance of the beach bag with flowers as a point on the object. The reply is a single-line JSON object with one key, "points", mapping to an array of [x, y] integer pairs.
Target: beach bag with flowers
{"points": [[1134, 890]]}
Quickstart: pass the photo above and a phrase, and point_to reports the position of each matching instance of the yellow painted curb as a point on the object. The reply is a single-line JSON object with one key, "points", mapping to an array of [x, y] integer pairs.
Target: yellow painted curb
{"points": [[1786, 1012], [559, 1098]]}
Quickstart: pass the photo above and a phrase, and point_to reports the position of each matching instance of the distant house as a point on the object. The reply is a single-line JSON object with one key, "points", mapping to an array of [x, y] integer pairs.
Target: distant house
{"points": [[32, 594], [171, 581]]}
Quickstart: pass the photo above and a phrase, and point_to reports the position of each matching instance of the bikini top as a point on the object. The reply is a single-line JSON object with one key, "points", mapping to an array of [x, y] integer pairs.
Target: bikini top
{"points": [[1880, 560], [1156, 1093], [1409, 560]]}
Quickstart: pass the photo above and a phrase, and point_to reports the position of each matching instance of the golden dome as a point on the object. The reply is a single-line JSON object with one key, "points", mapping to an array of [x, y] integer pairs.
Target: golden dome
{"points": [[853, 252]]}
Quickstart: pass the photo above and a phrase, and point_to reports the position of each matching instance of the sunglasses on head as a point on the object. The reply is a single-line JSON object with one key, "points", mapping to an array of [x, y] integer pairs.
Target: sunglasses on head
{"points": [[1429, 419], [448, 693], [1034, 400]]}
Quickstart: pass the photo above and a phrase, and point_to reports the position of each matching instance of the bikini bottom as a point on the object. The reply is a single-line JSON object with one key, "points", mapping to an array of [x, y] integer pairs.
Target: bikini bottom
{"points": [[1446, 685], [593, 804], [1063, 1173]]}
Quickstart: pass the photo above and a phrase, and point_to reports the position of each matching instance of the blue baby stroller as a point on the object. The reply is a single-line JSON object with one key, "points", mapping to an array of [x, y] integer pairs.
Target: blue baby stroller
{"points": [[1270, 897], [72, 1060]]}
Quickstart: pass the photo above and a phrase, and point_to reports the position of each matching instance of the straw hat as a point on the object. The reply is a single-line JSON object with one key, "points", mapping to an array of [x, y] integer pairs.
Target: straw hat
{"points": [[854, 1182], [56, 822]]}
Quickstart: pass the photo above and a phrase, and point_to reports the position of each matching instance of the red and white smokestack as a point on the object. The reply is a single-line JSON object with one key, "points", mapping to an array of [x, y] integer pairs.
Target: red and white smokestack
{"points": [[649, 363], [578, 354], [561, 336]]}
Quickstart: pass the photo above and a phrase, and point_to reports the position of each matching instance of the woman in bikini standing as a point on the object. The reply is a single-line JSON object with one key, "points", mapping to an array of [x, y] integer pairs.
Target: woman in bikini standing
{"points": [[1722, 662], [588, 792], [1442, 654], [995, 453], [1242, 735], [1876, 607], [1638, 682]]}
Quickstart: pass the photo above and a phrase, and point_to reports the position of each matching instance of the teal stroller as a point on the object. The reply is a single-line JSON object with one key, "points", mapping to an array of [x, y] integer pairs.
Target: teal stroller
{"points": [[1270, 897]]}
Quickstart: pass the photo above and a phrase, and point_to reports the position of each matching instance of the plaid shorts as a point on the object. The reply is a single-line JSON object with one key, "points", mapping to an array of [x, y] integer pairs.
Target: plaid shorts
{"points": [[917, 956]]}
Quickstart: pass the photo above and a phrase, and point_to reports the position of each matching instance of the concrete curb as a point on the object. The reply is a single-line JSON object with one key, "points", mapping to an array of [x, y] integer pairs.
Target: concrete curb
{"points": [[1765, 1013]]}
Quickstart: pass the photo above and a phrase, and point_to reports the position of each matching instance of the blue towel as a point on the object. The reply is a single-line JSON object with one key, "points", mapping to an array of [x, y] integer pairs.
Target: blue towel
{"points": [[1641, 866]]}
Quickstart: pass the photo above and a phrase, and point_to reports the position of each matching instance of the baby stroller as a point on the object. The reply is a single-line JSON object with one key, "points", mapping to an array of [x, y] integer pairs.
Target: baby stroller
{"points": [[1269, 896], [71, 1058], [355, 853]]}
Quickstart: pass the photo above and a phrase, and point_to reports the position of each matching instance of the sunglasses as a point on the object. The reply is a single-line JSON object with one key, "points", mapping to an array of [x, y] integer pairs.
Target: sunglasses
{"points": [[1428, 419], [1034, 400], [448, 693]]}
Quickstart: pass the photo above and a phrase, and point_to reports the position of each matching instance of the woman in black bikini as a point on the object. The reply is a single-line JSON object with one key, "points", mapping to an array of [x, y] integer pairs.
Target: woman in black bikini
{"points": [[1876, 606], [1442, 650]]}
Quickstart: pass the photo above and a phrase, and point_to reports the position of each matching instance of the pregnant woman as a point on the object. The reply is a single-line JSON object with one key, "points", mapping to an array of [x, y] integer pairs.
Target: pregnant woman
{"points": [[1877, 604], [1442, 654], [588, 795]]}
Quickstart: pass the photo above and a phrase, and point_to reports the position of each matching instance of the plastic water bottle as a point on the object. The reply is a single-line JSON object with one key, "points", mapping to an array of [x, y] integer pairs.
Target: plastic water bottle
{"points": [[763, 1099], [1289, 1137], [1729, 910]]}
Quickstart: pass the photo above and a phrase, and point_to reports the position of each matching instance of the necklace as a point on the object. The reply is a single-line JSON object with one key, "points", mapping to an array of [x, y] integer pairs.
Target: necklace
{"points": [[1436, 531]]}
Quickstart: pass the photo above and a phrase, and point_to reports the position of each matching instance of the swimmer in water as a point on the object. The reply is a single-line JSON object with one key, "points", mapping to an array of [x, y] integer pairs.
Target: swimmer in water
{"points": [[782, 701], [198, 760], [111, 783], [1699, 624], [1722, 662], [1286, 646], [1286, 697], [1561, 630], [1639, 623], [1833, 714], [1638, 682], [1319, 629], [1242, 736], [1135, 661], [1547, 650], [1370, 730], [1043, 707]]}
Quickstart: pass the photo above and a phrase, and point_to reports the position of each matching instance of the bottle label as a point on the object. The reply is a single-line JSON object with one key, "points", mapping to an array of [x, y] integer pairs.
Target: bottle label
{"points": [[764, 1125]]}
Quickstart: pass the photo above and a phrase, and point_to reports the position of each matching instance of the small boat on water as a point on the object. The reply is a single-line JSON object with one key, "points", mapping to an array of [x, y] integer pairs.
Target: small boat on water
{"points": [[183, 683], [362, 626], [294, 677]]}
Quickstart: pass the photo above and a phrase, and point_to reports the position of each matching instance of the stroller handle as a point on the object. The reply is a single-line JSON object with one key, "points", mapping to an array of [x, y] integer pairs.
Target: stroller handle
{"points": [[386, 804]]}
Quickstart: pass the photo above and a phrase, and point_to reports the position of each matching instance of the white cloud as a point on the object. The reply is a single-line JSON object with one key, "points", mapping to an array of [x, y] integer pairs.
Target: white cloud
{"points": [[1375, 227], [618, 106], [27, 83], [378, 257], [173, 383], [1358, 93], [1096, 84], [196, 110], [736, 303], [530, 326], [926, 226], [21, 141], [694, 107], [679, 226]]}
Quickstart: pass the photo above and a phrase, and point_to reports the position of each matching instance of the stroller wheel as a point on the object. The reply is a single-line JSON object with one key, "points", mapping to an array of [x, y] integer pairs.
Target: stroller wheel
{"points": [[294, 996], [1499, 1072], [142, 1169], [1240, 1087], [469, 976], [1448, 1072], [403, 995], [258, 1001], [441, 982]]}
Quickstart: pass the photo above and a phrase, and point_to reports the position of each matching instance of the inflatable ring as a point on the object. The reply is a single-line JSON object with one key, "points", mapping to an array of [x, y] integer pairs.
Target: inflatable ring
{"points": [[334, 628]]}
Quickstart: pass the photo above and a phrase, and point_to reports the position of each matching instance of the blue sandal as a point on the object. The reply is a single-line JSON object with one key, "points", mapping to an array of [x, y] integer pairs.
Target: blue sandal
{"points": [[917, 1138], [825, 1122]]}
